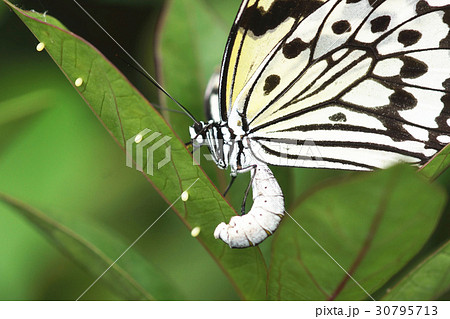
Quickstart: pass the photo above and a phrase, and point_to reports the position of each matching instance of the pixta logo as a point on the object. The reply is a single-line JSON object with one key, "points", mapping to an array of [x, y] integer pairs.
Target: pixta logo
{"points": [[145, 150]]}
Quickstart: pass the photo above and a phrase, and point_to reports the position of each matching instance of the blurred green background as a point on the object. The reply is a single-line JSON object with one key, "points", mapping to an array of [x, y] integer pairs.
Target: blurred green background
{"points": [[55, 155]]}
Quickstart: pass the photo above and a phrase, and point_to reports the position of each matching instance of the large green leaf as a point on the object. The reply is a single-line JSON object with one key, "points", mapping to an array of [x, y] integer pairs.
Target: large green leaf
{"points": [[429, 280], [139, 281], [372, 225], [124, 113]]}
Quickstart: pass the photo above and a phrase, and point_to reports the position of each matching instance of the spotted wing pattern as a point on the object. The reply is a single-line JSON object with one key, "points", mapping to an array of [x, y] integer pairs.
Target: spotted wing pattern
{"points": [[258, 27]]}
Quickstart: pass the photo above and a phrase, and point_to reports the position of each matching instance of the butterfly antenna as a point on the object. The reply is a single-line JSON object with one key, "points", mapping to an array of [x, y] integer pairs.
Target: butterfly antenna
{"points": [[159, 107], [138, 66]]}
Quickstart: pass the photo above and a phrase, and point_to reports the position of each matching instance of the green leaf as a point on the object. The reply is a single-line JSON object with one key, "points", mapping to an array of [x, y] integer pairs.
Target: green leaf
{"points": [[124, 113], [42, 17], [195, 30], [140, 280], [429, 280], [437, 165], [372, 225]]}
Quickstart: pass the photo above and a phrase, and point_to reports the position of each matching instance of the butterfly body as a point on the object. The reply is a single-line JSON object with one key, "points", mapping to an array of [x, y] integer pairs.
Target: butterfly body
{"points": [[362, 84], [230, 147], [264, 216]]}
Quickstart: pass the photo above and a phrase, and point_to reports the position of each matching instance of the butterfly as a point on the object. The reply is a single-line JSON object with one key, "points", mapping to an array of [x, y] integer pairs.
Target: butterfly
{"points": [[363, 83]]}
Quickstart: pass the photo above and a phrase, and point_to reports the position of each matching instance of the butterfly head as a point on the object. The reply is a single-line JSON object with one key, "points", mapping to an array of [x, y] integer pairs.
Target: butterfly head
{"points": [[212, 135]]}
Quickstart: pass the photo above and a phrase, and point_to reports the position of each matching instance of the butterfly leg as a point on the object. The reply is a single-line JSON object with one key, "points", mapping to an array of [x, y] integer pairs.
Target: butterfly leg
{"points": [[233, 178], [244, 201]]}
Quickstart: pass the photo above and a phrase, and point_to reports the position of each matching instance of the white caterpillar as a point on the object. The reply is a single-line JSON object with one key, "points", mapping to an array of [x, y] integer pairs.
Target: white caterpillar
{"points": [[262, 219]]}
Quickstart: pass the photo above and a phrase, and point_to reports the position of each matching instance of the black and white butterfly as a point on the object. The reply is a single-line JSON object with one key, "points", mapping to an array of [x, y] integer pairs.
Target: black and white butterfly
{"points": [[364, 82]]}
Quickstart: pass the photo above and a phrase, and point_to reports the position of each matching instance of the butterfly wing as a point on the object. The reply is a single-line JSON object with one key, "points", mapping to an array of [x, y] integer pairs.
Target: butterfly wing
{"points": [[259, 25], [211, 99], [357, 84]]}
